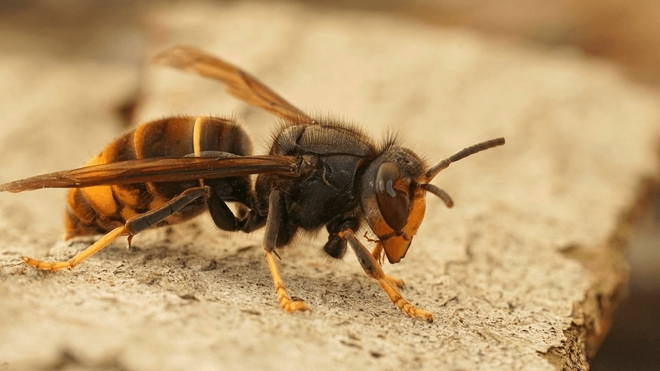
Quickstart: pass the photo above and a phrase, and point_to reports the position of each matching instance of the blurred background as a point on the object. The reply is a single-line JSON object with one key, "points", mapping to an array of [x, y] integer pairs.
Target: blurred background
{"points": [[625, 33]]}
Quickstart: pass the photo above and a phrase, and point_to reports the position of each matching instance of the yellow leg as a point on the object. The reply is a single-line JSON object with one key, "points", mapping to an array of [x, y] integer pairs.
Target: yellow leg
{"points": [[270, 239], [378, 252], [96, 247], [373, 269], [282, 297], [132, 227], [394, 281], [401, 303], [379, 255]]}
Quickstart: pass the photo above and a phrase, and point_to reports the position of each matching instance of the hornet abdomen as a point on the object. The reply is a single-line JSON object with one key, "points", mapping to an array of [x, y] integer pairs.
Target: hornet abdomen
{"points": [[99, 209]]}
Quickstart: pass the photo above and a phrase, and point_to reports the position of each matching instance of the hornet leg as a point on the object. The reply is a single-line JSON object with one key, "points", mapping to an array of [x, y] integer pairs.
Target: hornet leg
{"points": [[379, 255], [132, 227], [270, 239], [373, 269]]}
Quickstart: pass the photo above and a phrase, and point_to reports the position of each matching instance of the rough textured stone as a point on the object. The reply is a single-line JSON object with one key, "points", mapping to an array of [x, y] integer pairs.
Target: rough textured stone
{"points": [[508, 272]]}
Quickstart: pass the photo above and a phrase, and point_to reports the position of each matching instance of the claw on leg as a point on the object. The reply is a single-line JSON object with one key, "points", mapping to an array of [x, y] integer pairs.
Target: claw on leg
{"points": [[283, 297]]}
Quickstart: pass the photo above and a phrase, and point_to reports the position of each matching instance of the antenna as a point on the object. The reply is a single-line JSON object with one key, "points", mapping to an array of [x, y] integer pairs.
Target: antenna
{"points": [[465, 152]]}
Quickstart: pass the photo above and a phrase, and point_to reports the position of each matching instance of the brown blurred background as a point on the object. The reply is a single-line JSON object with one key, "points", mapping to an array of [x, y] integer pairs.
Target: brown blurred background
{"points": [[625, 33]]}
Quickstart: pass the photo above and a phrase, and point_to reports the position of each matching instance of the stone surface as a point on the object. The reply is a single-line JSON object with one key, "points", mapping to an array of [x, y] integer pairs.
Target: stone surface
{"points": [[508, 272]]}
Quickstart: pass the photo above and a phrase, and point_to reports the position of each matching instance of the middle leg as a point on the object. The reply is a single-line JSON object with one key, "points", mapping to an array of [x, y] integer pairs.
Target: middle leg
{"points": [[270, 240]]}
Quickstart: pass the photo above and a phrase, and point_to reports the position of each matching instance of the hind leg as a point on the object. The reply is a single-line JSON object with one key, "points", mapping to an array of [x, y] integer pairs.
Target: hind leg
{"points": [[132, 227]]}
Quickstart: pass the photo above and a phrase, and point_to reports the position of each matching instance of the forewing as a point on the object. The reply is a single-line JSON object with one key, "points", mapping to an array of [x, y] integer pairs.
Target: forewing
{"points": [[241, 84], [168, 169]]}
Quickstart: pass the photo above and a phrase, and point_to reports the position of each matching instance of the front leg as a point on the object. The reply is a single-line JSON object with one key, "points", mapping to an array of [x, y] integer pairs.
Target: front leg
{"points": [[373, 269], [379, 255], [336, 245]]}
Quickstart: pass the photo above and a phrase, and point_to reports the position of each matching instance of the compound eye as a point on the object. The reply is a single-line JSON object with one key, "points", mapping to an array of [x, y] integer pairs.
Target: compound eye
{"points": [[393, 202]]}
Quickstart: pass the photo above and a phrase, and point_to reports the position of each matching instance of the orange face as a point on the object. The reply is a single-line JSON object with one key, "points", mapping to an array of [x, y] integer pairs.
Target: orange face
{"points": [[393, 200], [396, 242]]}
